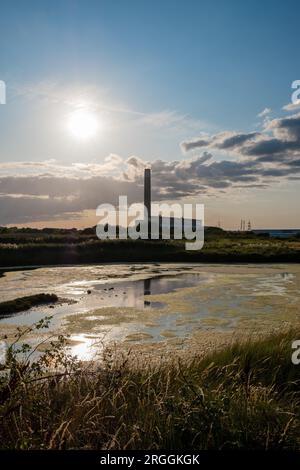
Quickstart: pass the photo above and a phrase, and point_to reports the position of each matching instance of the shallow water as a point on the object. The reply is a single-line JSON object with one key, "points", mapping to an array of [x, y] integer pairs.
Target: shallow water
{"points": [[152, 303]]}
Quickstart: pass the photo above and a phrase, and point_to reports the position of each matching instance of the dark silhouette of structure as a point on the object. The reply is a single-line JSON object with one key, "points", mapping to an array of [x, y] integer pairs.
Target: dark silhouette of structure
{"points": [[147, 191], [172, 224]]}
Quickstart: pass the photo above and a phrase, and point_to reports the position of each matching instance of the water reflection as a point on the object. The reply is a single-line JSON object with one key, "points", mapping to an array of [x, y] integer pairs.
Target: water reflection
{"points": [[219, 301], [147, 291], [86, 348], [133, 293]]}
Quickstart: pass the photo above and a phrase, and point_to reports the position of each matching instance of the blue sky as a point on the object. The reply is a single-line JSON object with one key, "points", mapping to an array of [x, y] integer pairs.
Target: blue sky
{"points": [[158, 72], [219, 60]]}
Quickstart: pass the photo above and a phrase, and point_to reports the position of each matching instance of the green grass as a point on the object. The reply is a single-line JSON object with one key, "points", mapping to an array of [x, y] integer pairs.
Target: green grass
{"points": [[25, 303], [30, 247], [216, 249], [245, 396]]}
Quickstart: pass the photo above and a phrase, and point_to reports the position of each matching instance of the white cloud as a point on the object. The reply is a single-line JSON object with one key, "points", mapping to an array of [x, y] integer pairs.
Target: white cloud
{"points": [[291, 106], [264, 112]]}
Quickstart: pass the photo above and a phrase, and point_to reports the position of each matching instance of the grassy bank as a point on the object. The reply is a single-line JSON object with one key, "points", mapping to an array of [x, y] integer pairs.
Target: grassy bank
{"points": [[222, 248], [25, 303], [245, 396]]}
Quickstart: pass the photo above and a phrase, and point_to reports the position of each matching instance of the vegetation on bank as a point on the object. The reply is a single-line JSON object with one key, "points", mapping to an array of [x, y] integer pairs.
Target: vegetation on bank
{"points": [[30, 247], [25, 303], [245, 396]]}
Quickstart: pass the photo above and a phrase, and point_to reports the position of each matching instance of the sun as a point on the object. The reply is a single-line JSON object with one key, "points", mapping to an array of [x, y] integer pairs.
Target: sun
{"points": [[83, 124]]}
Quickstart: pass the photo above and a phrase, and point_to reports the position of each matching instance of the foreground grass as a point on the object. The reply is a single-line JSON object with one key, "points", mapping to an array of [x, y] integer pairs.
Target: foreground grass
{"points": [[245, 396], [25, 303]]}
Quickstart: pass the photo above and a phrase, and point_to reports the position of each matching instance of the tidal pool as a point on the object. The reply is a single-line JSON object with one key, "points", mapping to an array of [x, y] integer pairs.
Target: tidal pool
{"points": [[153, 303]]}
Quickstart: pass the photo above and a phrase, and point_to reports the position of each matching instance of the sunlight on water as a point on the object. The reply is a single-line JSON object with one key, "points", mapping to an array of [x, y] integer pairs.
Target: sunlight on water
{"points": [[86, 348]]}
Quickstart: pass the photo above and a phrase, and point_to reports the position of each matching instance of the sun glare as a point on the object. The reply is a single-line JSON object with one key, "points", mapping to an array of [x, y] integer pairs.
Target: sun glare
{"points": [[83, 124]]}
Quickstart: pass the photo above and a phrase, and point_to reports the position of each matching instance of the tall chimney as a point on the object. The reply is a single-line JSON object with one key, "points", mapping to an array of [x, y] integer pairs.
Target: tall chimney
{"points": [[147, 191]]}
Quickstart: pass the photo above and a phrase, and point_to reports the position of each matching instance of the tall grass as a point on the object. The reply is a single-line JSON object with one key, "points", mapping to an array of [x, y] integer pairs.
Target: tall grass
{"points": [[245, 396], [229, 248]]}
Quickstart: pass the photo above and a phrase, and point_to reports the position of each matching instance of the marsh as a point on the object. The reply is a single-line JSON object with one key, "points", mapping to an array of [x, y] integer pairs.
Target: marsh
{"points": [[154, 305]]}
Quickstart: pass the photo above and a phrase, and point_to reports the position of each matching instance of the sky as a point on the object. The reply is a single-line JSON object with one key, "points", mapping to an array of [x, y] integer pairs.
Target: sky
{"points": [[198, 90]]}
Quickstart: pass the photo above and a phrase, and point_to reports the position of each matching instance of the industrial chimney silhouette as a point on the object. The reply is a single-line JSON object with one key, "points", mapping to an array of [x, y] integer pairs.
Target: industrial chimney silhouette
{"points": [[147, 191]]}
